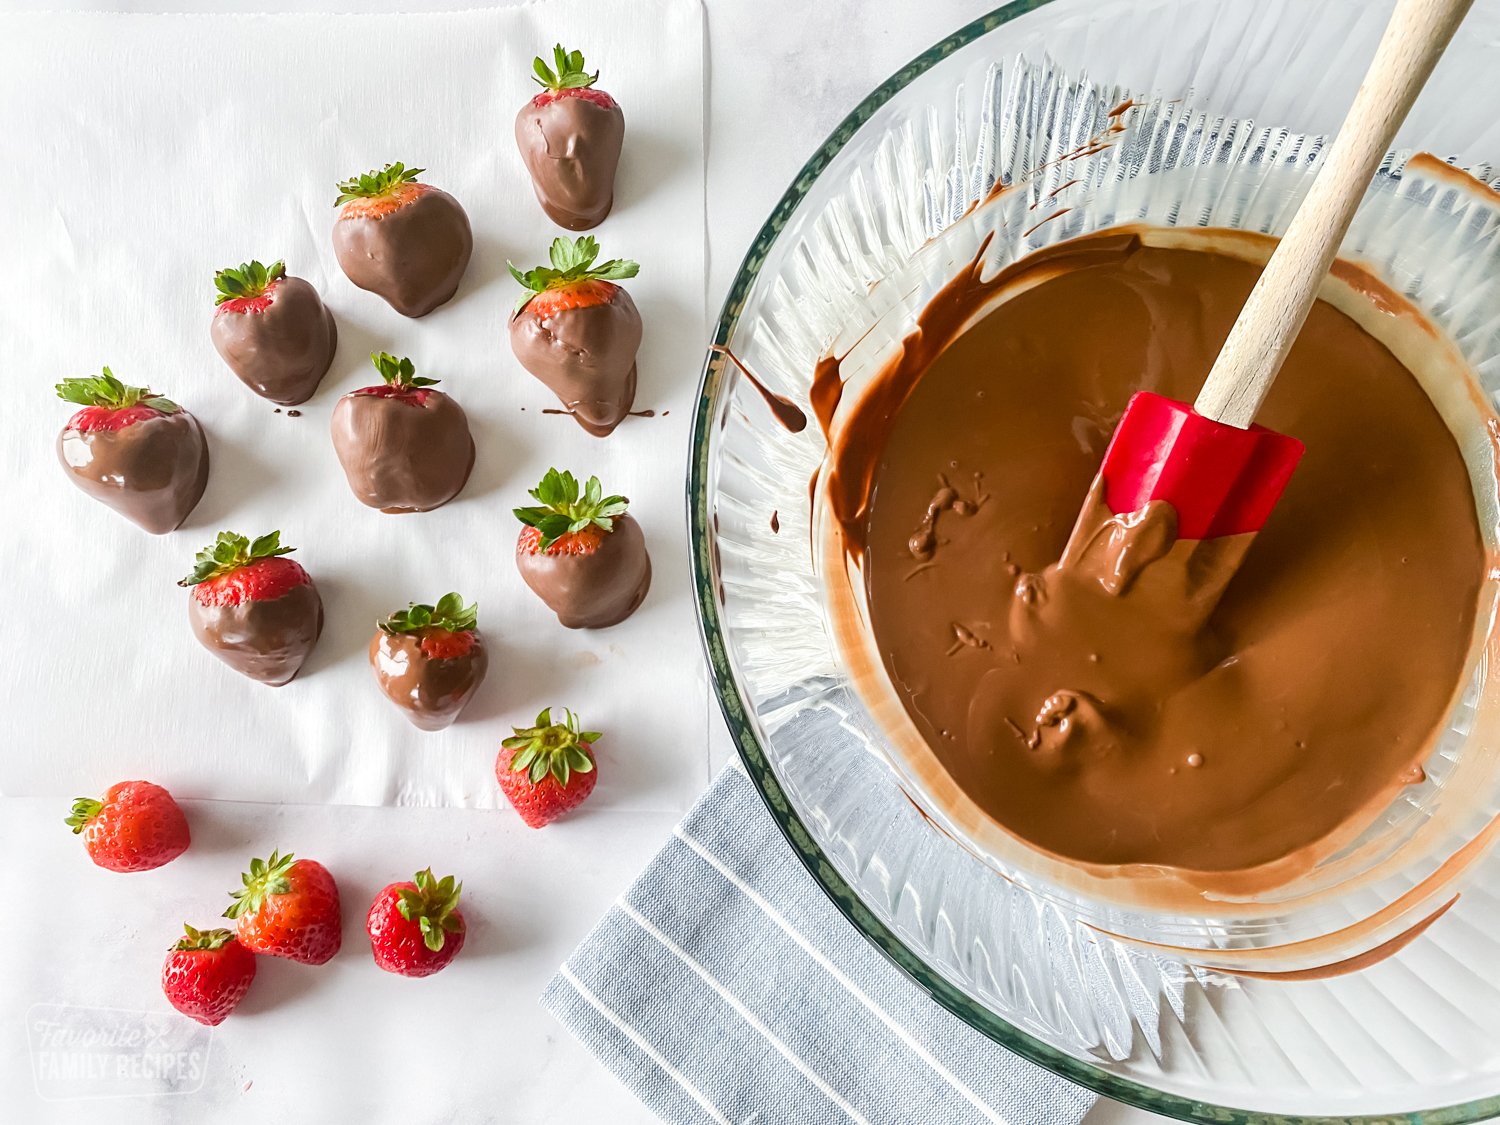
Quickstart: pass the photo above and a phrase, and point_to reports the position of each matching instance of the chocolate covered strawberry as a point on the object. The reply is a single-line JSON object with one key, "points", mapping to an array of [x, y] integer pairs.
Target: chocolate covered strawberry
{"points": [[570, 136], [288, 908], [581, 553], [273, 331], [404, 446], [548, 769], [206, 974], [408, 242], [430, 660], [136, 826], [140, 453], [255, 610], [416, 928], [578, 332]]}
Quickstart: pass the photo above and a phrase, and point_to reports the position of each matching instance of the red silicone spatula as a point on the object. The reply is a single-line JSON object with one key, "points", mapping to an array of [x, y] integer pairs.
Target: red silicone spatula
{"points": [[1222, 474]]}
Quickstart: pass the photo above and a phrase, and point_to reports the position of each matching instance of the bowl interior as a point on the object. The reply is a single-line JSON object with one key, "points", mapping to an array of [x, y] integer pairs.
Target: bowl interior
{"points": [[890, 194]]}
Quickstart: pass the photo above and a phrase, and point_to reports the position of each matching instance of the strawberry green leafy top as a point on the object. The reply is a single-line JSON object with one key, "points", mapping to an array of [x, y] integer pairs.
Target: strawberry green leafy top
{"points": [[374, 183], [399, 372], [450, 613], [107, 391], [572, 262], [563, 511], [230, 551], [431, 906], [548, 747], [203, 939], [265, 878], [250, 280], [569, 73], [84, 810]]}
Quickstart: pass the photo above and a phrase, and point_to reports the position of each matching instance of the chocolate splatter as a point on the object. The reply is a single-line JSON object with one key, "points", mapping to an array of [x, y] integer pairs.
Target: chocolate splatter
{"points": [[783, 409]]}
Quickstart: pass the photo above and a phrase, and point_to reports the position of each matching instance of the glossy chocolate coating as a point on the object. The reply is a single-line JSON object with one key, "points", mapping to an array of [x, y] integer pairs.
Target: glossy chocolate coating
{"points": [[571, 147], [586, 356], [597, 590], [431, 693], [414, 255], [1108, 691], [283, 351], [152, 472], [265, 640], [400, 455]]}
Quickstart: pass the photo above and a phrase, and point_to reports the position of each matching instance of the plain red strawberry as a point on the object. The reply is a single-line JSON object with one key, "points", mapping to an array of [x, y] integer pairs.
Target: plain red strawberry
{"points": [[136, 827], [207, 974], [548, 769], [416, 928], [288, 908]]}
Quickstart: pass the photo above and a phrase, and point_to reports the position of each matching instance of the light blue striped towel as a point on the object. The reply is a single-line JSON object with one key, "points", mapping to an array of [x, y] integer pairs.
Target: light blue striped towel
{"points": [[725, 987]]}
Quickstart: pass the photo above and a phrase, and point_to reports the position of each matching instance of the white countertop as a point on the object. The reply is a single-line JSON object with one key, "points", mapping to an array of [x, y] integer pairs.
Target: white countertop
{"points": [[475, 1031]]}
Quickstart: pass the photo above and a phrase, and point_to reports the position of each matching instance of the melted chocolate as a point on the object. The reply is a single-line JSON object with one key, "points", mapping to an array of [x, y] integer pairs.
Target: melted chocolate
{"points": [[1101, 688], [586, 356], [786, 412], [152, 472], [571, 147], [400, 455], [283, 351], [265, 640], [414, 255], [431, 693], [597, 590]]}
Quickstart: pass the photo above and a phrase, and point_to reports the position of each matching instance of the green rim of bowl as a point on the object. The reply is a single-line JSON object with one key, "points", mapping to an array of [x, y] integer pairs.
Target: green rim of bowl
{"points": [[753, 755]]}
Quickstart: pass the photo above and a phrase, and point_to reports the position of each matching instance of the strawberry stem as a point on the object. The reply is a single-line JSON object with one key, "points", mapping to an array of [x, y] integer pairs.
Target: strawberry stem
{"points": [[107, 391], [555, 748], [563, 510], [265, 878], [84, 810], [399, 372], [203, 939], [569, 73], [373, 184], [450, 613], [230, 551], [572, 262], [248, 281], [432, 906]]}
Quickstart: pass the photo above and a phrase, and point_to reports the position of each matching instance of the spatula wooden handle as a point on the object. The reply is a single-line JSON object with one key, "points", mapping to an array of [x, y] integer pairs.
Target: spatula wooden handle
{"points": [[1268, 324]]}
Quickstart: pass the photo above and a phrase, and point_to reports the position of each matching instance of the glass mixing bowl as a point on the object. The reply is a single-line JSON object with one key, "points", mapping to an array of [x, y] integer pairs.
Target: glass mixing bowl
{"points": [[1230, 101]]}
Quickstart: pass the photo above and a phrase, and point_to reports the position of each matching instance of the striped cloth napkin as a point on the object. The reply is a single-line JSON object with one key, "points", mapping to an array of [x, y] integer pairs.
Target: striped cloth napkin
{"points": [[725, 987]]}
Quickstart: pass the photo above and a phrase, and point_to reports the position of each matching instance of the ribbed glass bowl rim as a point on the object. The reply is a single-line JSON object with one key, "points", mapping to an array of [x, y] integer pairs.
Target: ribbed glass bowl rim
{"points": [[753, 754]]}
